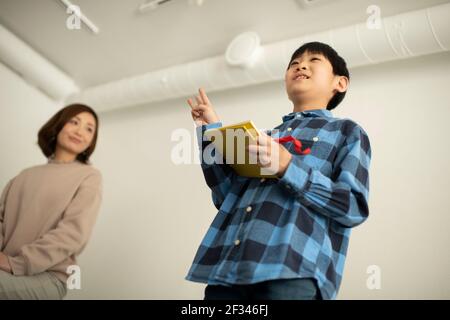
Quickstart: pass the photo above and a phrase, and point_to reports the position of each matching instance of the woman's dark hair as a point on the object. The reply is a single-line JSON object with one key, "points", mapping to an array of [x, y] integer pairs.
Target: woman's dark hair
{"points": [[47, 136], [337, 62]]}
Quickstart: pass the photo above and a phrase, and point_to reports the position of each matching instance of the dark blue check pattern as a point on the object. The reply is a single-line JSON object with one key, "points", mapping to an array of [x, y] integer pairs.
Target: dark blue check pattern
{"points": [[295, 226]]}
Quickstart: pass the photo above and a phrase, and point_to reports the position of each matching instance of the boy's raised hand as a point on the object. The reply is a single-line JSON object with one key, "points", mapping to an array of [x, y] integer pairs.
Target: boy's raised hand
{"points": [[202, 110]]}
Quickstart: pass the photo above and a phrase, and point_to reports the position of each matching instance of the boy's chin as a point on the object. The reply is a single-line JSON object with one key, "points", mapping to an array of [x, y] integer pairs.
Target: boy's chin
{"points": [[298, 97]]}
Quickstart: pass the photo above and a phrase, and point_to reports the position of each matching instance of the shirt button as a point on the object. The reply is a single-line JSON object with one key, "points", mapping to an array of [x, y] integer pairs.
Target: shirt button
{"points": [[237, 242], [315, 139], [262, 180], [299, 116], [289, 129], [249, 208]]}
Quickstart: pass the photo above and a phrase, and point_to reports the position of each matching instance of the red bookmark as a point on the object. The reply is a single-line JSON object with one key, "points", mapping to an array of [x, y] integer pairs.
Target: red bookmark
{"points": [[297, 144]]}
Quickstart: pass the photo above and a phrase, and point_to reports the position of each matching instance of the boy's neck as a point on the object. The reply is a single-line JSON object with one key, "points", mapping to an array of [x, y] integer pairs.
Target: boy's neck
{"points": [[302, 107], [309, 104]]}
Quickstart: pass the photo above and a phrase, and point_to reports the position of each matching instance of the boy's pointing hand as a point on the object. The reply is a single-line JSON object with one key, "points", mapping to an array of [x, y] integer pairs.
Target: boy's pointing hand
{"points": [[202, 110]]}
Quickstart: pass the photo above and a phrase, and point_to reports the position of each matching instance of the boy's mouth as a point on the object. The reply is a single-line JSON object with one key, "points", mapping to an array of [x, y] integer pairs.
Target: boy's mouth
{"points": [[301, 77]]}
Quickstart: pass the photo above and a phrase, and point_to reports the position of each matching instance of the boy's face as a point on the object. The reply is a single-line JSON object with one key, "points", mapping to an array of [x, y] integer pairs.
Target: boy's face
{"points": [[309, 78]]}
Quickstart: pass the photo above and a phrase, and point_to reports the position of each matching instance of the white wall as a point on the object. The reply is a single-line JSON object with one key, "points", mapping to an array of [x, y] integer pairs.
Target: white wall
{"points": [[405, 108], [155, 213], [23, 110]]}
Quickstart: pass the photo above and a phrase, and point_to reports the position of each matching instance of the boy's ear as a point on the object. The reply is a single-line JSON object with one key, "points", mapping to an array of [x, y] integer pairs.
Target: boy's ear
{"points": [[341, 84]]}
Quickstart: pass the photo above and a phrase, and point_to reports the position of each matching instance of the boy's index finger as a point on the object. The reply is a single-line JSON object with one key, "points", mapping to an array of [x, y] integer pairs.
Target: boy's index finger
{"points": [[191, 103], [199, 100], [264, 139], [204, 96], [262, 135]]}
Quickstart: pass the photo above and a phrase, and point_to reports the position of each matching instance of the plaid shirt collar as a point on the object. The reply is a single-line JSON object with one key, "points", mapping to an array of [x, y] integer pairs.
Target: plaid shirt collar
{"points": [[308, 113]]}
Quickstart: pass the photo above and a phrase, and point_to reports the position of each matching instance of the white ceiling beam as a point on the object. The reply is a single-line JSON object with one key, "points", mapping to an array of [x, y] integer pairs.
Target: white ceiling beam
{"points": [[34, 68]]}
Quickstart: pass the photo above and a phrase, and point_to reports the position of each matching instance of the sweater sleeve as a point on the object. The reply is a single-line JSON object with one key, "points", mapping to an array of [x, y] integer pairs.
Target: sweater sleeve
{"points": [[2, 211], [70, 235]]}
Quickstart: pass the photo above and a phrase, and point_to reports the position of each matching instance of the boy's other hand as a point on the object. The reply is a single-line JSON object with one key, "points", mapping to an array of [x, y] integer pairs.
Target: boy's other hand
{"points": [[202, 110], [270, 154]]}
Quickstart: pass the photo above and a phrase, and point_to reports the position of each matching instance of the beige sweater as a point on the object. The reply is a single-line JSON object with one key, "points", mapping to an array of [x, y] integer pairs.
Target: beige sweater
{"points": [[47, 214]]}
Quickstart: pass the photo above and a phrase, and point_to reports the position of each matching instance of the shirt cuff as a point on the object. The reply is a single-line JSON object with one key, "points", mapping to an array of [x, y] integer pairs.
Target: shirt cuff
{"points": [[296, 175], [18, 265], [203, 128]]}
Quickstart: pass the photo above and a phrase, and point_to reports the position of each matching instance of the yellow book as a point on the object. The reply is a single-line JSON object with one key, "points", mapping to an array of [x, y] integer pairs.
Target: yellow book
{"points": [[236, 138]]}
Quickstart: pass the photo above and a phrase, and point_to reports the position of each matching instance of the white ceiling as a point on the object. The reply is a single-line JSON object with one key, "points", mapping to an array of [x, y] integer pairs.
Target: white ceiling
{"points": [[131, 43]]}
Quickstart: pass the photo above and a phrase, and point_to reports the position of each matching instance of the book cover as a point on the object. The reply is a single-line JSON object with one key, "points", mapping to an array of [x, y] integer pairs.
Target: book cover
{"points": [[231, 142]]}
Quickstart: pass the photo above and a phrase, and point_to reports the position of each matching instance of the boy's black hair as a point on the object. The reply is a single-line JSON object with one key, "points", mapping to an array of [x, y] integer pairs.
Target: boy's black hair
{"points": [[337, 62]]}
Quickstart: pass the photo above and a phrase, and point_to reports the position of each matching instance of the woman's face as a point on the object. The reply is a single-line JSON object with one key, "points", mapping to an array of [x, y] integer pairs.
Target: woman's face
{"points": [[77, 134]]}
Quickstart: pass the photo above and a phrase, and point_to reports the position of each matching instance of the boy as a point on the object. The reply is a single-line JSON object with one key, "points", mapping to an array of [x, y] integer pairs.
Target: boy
{"points": [[287, 238]]}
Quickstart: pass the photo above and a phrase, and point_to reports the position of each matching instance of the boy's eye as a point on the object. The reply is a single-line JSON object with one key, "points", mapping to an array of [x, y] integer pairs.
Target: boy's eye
{"points": [[315, 58]]}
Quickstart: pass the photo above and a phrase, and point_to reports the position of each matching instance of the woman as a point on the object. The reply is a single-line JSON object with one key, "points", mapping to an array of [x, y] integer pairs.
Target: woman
{"points": [[47, 212]]}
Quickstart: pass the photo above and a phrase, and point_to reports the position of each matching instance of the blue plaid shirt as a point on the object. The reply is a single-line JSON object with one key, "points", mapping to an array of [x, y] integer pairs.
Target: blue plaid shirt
{"points": [[297, 226]]}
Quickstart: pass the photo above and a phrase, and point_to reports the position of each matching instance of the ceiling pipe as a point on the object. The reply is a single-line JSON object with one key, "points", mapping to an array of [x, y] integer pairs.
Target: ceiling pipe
{"points": [[34, 68], [401, 36]]}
